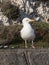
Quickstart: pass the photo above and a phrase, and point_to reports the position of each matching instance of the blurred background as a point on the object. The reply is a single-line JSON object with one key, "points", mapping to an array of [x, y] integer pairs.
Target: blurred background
{"points": [[11, 14]]}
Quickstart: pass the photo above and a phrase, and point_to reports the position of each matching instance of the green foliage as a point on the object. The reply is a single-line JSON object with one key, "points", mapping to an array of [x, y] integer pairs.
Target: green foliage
{"points": [[41, 29], [11, 35], [10, 10], [41, 25]]}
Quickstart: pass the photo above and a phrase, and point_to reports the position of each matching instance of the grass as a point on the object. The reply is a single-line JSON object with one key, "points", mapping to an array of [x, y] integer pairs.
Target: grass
{"points": [[17, 45], [39, 44], [11, 35]]}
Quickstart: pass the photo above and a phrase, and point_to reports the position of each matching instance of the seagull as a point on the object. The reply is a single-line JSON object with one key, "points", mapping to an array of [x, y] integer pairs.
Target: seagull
{"points": [[27, 32]]}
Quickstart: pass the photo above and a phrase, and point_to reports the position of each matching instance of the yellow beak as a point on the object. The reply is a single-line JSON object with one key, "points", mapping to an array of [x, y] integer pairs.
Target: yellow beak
{"points": [[31, 20]]}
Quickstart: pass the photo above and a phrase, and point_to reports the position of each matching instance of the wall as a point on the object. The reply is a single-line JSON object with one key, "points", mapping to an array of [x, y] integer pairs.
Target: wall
{"points": [[24, 56]]}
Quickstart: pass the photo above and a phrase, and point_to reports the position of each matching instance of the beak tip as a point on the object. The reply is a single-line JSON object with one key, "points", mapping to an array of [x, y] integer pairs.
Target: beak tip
{"points": [[32, 20]]}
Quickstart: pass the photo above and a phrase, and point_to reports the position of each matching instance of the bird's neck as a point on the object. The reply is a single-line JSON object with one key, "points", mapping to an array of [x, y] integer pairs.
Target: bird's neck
{"points": [[26, 24]]}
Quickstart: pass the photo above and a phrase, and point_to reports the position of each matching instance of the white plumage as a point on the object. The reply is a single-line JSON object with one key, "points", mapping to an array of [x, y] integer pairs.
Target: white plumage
{"points": [[27, 32]]}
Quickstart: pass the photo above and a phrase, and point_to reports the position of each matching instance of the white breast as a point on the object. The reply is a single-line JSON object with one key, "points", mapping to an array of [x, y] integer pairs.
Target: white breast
{"points": [[27, 33]]}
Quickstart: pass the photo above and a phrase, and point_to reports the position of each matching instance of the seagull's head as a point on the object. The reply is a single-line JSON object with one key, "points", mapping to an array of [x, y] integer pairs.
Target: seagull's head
{"points": [[27, 20]]}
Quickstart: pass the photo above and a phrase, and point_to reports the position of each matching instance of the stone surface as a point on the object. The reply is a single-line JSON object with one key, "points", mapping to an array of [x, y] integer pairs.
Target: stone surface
{"points": [[37, 9], [33, 9], [3, 19], [24, 56]]}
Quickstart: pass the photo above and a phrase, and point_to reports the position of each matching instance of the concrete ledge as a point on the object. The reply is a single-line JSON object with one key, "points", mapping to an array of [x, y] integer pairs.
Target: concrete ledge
{"points": [[24, 56]]}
